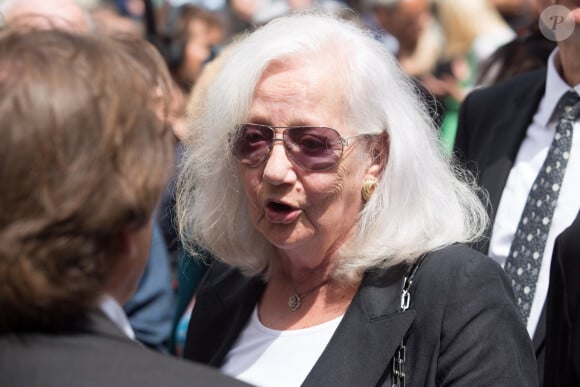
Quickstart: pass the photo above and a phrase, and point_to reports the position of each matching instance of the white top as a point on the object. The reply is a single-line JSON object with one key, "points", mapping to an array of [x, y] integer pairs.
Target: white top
{"points": [[266, 357], [116, 314], [529, 160]]}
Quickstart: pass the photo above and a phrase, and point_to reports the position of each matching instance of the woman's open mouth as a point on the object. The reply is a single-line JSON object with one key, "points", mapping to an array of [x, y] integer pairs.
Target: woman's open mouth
{"points": [[278, 212]]}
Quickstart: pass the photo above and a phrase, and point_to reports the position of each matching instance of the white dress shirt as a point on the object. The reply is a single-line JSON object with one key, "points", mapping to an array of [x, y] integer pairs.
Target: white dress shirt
{"points": [[529, 160], [116, 314]]}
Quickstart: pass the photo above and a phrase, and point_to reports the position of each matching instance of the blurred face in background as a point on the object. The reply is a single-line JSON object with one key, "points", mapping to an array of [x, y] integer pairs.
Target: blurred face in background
{"points": [[197, 49], [572, 5], [406, 21]]}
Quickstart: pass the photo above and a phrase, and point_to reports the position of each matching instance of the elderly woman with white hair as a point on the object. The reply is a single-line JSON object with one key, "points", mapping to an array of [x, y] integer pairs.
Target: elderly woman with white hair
{"points": [[315, 178]]}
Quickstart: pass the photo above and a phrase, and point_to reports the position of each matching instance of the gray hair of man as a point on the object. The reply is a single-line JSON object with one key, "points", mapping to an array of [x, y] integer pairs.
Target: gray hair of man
{"points": [[422, 202]]}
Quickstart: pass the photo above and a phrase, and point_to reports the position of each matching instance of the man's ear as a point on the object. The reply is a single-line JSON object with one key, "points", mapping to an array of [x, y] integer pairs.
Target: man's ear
{"points": [[127, 260], [379, 152], [123, 245]]}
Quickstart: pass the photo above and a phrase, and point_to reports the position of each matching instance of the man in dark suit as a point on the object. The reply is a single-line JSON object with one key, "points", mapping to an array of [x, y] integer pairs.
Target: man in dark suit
{"points": [[563, 311], [152, 307], [504, 136], [84, 157]]}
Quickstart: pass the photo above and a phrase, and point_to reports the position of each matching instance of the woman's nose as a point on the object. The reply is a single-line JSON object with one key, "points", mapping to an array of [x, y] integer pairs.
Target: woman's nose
{"points": [[279, 169]]}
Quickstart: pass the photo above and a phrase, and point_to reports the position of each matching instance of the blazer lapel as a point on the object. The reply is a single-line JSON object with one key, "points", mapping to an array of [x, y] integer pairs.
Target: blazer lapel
{"points": [[238, 311], [509, 131], [364, 343], [227, 299]]}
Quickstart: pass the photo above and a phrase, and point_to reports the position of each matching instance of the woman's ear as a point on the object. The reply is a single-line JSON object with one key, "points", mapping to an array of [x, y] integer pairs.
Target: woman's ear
{"points": [[379, 152]]}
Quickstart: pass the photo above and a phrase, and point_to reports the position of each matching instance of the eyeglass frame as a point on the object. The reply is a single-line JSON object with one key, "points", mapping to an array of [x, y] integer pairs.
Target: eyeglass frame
{"points": [[343, 141]]}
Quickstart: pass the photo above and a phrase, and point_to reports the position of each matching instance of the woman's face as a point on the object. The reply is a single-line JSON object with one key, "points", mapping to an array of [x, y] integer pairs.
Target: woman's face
{"points": [[298, 210]]}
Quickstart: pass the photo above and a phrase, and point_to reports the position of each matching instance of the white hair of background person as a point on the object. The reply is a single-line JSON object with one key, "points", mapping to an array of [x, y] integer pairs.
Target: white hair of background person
{"points": [[5, 5], [65, 14], [421, 203]]}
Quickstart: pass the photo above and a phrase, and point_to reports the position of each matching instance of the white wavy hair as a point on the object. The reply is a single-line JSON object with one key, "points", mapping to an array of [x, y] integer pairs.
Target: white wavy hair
{"points": [[422, 201]]}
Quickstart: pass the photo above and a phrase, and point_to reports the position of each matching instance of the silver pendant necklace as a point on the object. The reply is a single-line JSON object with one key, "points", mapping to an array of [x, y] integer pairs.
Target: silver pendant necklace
{"points": [[295, 300]]}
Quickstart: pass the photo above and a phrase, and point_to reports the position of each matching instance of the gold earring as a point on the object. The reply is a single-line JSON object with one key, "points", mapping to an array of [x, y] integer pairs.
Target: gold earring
{"points": [[368, 188]]}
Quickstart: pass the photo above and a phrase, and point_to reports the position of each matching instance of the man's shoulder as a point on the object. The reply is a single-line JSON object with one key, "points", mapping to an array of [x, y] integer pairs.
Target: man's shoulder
{"points": [[498, 115], [169, 371], [517, 85], [93, 360], [145, 367]]}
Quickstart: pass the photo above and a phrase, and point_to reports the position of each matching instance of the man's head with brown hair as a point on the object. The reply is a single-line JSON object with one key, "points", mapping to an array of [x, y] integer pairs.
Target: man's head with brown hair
{"points": [[84, 156]]}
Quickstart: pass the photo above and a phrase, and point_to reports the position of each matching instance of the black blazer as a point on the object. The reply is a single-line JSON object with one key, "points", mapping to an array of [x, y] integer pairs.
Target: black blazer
{"points": [[492, 125], [462, 327], [96, 356], [563, 311]]}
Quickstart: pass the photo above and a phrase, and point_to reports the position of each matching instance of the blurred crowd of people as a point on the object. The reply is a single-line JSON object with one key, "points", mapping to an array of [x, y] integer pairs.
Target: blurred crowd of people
{"points": [[447, 48], [446, 45]]}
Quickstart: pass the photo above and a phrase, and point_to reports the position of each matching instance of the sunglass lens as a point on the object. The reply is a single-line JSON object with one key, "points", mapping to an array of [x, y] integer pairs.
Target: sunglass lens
{"points": [[253, 144], [314, 148]]}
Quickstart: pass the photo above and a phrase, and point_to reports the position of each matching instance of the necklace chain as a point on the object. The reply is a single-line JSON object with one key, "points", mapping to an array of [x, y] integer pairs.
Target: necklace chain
{"points": [[295, 300]]}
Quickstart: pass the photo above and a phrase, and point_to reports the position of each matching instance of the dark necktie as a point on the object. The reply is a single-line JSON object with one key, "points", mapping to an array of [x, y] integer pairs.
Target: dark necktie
{"points": [[525, 258]]}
